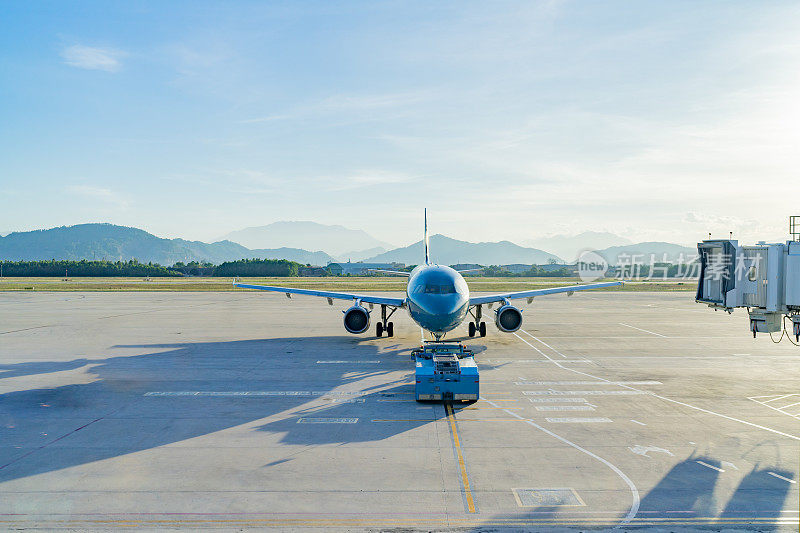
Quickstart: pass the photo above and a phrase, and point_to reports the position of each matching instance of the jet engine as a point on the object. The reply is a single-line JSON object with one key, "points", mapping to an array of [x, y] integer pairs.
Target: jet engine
{"points": [[508, 318], [356, 319]]}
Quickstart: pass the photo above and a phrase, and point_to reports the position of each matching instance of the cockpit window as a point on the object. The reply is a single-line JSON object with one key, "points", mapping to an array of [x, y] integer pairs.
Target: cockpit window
{"points": [[435, 288]]}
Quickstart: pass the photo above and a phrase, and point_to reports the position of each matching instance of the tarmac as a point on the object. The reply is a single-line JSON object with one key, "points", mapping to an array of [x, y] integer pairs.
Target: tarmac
{"points": [[247, 410]]}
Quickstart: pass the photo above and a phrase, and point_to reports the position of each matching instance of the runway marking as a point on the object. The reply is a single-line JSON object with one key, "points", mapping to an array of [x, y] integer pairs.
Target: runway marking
{"points": [[557, 400], [558, 364], [25, 329], [773, 398], [712, 467], [645, 330], [534, 361], [403, 420], [644, 450], [254, 393], [778, 398], [578, 420], [584, 392], [792, 481], [348, 362], [523, 383], [540, 340], [637, 422], [564, 408], [635, 500], [457, 409], [327, 420], [461, 464], [243, 520]]}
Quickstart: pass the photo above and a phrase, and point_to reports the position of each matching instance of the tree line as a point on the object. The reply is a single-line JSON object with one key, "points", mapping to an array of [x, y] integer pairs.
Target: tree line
{"points": [[133, 268]]}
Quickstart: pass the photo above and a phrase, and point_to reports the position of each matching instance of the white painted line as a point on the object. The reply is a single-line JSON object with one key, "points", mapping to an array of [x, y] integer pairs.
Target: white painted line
{"points": [[584, 392], [713, 413], [777, 398], [523, 383], [529, 361], [327, 420], [577, 420], [540, 340], [792, 481], [564, 408], [558, 400], [637, 422], [254, 393], [712, 467], [348, 362], [635, 499], [790, 405], [644, 450], [645, 330]]}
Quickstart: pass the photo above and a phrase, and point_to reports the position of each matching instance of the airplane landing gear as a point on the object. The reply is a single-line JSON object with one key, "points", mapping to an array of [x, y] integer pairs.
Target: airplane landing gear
{"points": [[384, 324], [477, 326]]}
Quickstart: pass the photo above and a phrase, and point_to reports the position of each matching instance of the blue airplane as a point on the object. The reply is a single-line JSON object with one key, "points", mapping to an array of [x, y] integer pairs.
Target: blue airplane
{"points": [[437, 298]]}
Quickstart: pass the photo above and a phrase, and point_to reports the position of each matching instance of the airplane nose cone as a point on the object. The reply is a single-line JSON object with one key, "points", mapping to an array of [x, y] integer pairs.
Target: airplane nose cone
{"points": [[441, 304]]}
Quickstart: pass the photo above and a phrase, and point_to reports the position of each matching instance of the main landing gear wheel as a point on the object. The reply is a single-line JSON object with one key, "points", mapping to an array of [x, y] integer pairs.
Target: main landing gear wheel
{"points": [[390, 329], [379, 329], [471, 329], [483, 329]]}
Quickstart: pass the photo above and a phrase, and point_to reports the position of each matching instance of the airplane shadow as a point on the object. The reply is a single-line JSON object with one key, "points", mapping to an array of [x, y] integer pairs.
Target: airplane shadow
{"points": [[680, 501], [47, 429]]}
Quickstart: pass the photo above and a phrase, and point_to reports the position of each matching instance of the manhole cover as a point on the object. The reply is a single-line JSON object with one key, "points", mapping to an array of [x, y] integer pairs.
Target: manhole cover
{"points": [[547, 498]]}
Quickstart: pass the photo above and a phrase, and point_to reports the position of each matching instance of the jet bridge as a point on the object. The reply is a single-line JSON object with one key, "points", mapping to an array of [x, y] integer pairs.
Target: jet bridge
{"points": [[445, 371], [763, 278]]}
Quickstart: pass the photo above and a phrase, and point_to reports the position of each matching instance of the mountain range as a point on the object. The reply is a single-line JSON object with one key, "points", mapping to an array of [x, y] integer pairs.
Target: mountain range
{"points": [[569, 247], [108, 241], [449, 251]]}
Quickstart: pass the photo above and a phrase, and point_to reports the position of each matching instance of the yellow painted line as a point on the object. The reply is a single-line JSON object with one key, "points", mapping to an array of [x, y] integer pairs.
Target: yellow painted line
{"points": [[457, 444]]}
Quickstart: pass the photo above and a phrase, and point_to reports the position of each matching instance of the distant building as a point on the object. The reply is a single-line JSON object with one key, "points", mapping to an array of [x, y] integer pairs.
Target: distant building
{"points": [[469, 266], [305, 271], [573, 269], [360, 269], [517, 268]]}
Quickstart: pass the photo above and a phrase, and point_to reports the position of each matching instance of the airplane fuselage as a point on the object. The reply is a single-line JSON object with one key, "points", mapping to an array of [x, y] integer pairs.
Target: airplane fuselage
{"points": [[437, 298]]}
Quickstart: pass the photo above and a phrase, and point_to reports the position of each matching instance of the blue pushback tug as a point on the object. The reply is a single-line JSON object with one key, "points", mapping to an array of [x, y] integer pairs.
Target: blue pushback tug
{"points": [[445, 371]]}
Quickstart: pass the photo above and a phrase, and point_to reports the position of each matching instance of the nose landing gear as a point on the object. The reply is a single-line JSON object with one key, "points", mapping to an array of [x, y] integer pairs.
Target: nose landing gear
{"points": [[477, 326], [384, 325]]}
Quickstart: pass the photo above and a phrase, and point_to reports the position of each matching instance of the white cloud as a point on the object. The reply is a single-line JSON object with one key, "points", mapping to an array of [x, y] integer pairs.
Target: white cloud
{"points": [[91, 58]]}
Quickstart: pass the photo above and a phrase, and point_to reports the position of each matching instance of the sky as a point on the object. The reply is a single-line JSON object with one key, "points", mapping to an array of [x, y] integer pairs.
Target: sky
{"points": [[507, 120]]}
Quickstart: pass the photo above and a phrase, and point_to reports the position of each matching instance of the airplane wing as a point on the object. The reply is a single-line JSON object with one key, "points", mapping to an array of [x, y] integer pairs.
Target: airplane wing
{"points": [[540, 292], [380, 300]]}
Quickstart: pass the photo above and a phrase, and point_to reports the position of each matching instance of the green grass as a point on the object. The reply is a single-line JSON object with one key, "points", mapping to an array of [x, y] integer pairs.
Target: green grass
{"points": [[349, 284]]}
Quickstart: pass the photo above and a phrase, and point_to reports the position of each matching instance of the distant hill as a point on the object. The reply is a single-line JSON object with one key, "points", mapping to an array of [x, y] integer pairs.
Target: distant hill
{"points": [[569, 247], [447, 251], [107, 241], [645, 250], [335, 240]]}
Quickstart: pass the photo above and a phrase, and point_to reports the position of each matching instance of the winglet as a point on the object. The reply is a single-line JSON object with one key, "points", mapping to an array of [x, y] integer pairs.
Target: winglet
{"points": [[427, 256]]}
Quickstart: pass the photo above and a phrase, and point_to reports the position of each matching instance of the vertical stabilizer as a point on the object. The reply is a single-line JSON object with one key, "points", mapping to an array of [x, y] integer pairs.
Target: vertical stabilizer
{"points": [[427, 246]]}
